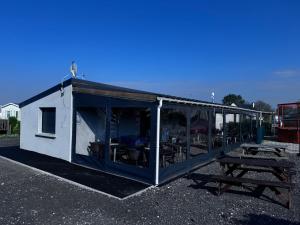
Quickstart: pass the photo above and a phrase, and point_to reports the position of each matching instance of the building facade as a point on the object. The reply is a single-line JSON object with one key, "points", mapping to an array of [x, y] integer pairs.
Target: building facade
{"points": [[140, 135], [10, 110]]}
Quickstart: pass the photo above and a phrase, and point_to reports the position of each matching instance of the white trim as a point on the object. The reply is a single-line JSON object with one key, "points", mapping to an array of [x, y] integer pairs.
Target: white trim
{"points": [[157, 142], [209, 105], [2, 106], [71, 125]]}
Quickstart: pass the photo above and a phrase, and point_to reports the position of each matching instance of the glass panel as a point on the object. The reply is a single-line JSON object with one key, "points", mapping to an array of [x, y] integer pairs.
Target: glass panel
{"points": [[232, 128], [217, 130], [291, 111], [90, 132], [130, 136], [173, 136], [267, 124], [199, 132], [246, 128]]}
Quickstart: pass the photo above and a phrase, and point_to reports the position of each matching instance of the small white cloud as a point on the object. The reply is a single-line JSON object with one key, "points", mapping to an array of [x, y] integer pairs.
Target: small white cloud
{"points": [[287, 73]]}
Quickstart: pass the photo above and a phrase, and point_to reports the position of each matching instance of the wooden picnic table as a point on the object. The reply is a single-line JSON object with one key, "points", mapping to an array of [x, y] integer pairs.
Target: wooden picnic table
{"points": [[255, 156], [277, 147], [284, 164], [281, 169], [259, 148]]}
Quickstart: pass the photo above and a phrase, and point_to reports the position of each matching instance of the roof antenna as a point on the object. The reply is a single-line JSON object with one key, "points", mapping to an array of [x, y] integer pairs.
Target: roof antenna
{"points": [[213, 97], [73, 70]]}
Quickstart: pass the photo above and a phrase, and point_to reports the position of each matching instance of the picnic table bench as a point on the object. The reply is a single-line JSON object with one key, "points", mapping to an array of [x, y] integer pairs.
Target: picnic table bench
{"points": [[280, 147], [243, 155], [282, 170], [254, 149]]}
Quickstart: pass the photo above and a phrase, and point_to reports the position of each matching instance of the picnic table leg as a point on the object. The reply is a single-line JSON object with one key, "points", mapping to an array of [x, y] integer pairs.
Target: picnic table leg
{"points": [[227, 186], [220, 188], [285, 198], [289, 199]]}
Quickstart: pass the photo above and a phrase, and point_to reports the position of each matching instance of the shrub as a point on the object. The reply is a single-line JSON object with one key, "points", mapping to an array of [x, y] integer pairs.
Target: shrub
{"points": [[15, 125]]}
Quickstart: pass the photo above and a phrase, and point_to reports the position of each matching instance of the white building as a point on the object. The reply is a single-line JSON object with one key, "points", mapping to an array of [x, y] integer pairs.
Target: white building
{"points": [[118, 130], [10, 110]]}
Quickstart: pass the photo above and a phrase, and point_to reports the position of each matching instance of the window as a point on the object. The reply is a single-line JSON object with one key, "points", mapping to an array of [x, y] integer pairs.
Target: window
{"points": [[8, 114], [199, 132], [173, 136], [17, 114], [217, 130], [130, 130], [48, 120]]}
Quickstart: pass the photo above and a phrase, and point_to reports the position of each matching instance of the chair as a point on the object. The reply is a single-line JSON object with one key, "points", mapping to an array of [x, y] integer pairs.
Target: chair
{"points": [[96, 149], [167, 154]]}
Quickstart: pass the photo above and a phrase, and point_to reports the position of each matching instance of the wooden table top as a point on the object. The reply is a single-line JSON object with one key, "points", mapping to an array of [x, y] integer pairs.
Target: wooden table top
{"points": [[251, 145], [257, 162]]}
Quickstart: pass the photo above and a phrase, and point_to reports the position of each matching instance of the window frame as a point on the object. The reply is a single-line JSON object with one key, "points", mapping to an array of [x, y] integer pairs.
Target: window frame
{"points": [[45, 130]]}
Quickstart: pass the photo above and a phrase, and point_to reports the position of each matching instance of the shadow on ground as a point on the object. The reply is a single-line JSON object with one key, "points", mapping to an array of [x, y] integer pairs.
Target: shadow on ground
{"points": [[201, 181], [254, 219], [113, 185]]}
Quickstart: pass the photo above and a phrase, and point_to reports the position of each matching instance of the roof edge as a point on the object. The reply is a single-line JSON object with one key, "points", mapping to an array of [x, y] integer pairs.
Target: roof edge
{"points": [[46, 93], [10, 103]]}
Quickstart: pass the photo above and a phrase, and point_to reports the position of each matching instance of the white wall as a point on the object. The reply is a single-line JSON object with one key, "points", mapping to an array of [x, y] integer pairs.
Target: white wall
{"points": [[229, 118], [90, 127], [13, 109], [60, 146]]}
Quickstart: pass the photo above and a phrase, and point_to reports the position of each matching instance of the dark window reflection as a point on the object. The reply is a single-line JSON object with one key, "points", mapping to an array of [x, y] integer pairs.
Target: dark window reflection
{"points": [[232, 128], [217, 130], [199, 132], [173, 136], [130, 136], [246, 128]]}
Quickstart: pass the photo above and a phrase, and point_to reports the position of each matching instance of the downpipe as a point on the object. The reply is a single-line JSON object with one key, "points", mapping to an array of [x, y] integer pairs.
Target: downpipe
{"points": [[157, 142]]}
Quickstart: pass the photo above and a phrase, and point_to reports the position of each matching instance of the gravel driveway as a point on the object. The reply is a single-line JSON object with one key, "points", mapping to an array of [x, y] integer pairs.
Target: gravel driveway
{"points": [[30, 197]]}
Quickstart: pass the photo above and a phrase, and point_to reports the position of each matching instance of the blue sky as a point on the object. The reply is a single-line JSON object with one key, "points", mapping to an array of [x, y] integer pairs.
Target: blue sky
{"points": [[185, 48]]}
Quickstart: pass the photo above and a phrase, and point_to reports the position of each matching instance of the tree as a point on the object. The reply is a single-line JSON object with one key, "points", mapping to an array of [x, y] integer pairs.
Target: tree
{"points": [[15, 125], [263, 106], [233, 98]]}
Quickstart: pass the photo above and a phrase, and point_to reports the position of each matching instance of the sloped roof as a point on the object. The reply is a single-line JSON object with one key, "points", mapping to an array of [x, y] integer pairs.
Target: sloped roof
{"points": [[95, 88]]}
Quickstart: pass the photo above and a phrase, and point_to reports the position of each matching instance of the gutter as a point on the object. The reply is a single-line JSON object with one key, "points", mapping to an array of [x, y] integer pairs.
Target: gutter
{"points": [[210, 105]]}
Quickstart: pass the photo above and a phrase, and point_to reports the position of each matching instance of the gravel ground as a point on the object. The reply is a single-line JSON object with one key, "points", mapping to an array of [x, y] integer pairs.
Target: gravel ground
{"points": [[29, 197]]}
